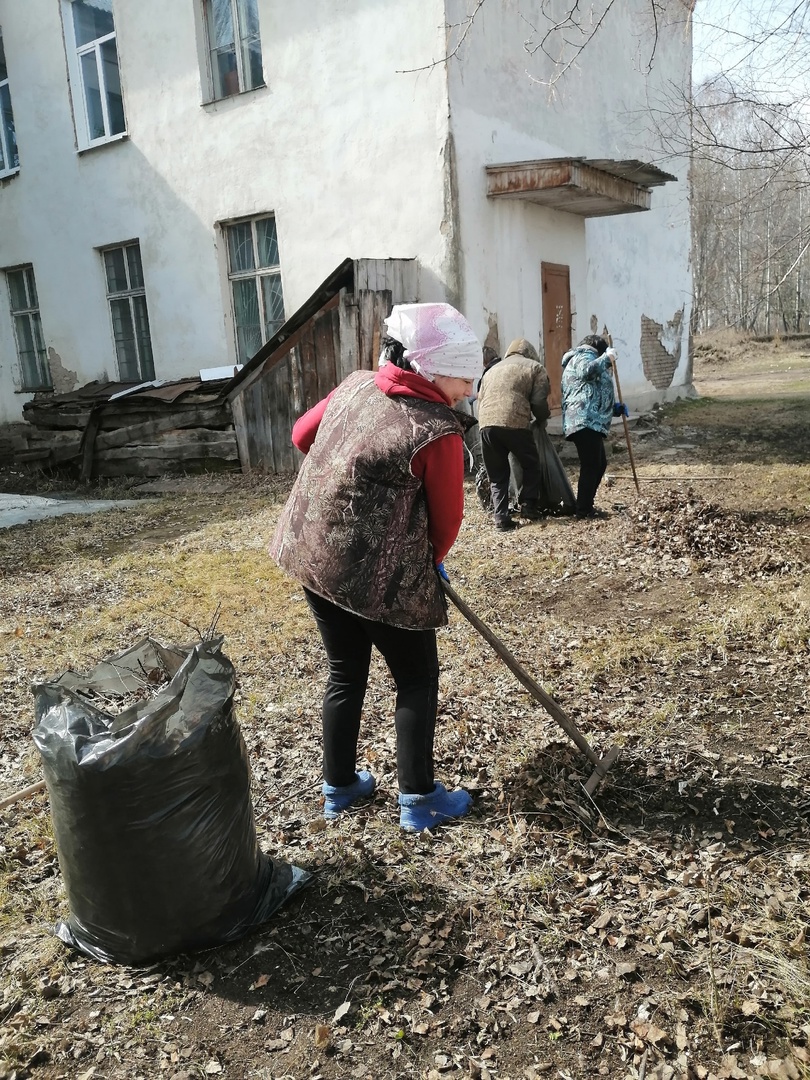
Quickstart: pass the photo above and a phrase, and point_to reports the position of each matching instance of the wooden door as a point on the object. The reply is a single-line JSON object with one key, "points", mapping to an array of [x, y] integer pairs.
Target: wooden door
{"points": [[556, 324]]}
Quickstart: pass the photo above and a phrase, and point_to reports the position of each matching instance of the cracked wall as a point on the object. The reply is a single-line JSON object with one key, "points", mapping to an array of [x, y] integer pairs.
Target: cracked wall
{"points": [[64, 380], [661, 349]]}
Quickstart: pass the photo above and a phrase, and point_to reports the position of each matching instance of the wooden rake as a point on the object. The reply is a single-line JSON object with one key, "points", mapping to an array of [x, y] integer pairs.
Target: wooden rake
{"points": [[614, 368], [538, 693]]}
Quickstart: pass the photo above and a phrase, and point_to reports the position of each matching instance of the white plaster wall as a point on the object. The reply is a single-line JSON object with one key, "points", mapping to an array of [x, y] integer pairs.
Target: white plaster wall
{"points": [[347, 152], [502, 110]]}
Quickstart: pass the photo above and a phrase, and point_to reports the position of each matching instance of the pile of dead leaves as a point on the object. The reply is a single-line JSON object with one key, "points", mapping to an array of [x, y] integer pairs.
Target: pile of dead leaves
{"points": [[684, 526]]}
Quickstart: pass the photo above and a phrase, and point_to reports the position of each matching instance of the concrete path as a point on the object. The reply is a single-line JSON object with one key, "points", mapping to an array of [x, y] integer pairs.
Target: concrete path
{"points": [[19, 509]]}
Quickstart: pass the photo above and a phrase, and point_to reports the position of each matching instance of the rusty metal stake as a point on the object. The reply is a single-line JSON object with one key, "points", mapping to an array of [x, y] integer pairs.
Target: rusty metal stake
{"points": [[539, 694]]}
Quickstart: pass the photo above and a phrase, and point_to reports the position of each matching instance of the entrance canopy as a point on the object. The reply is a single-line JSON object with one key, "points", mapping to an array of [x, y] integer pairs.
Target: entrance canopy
{"points": [[595, 187]]}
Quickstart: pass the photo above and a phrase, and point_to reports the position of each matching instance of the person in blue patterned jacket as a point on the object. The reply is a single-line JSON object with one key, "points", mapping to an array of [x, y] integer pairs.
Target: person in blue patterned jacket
{"points": [[588, 406]]}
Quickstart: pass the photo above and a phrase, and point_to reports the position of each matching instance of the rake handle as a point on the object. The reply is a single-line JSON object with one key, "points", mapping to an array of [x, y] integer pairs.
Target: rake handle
{"points": [[26, 792], [534, 688], [626, 428]]}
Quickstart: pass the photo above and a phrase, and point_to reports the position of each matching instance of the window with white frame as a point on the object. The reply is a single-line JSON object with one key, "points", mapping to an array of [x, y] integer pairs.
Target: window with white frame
{"points": [[234, 46], [34, 368], [255, 276], [130, 319], [9, 161], [93, 68]]}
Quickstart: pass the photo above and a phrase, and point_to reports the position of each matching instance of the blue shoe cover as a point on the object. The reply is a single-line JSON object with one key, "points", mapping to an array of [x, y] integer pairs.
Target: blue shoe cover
{"points": [[427, 811], [338, 799]]}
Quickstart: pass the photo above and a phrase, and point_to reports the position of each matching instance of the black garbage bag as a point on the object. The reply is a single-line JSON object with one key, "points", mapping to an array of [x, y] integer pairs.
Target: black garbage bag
{"points": [[556, 493], [151, 807]]}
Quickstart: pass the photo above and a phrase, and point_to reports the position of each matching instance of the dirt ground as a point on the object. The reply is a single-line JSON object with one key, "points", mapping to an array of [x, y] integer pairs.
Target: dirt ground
{"points": [[656, 930]]}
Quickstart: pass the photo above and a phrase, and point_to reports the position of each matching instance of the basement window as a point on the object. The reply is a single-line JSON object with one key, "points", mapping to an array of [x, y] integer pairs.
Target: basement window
{"points": [[126, 294], [35, 371], [234, 46], [93, 71], [9, 160], [255, 276]]}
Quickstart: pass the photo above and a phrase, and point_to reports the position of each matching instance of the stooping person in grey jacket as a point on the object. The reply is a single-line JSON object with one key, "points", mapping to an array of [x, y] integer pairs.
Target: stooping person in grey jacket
{"points": [[511, 392]]}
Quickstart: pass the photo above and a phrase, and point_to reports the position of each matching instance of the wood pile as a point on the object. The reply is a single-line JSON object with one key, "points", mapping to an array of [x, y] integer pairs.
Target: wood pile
{"points": [[174, 428]]}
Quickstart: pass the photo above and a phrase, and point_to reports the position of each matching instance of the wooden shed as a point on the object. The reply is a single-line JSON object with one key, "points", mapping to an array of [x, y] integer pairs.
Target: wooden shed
{"points": [[337, 331], [188, 425]]}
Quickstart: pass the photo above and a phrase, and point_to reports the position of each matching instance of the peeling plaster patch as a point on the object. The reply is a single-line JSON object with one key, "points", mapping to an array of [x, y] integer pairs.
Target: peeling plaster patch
{"points": [[493, 337], [661, 349], [450, 228], [63, 379]]}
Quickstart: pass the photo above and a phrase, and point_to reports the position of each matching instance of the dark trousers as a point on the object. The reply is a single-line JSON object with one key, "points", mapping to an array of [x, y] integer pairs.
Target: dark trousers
{"points": [[497, 443], [413, 661], [590, 446]]}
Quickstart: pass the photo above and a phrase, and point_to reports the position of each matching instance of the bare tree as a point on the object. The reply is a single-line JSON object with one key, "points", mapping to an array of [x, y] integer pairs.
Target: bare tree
{"points": [[746, 127], [558, 30]]}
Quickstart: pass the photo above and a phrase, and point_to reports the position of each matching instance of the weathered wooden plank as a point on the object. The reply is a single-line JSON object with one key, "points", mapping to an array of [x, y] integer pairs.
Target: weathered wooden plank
{"points": [[280, 353], [360, 274], [349, 334], [325, 356], [42, 453], [278, 425], [37, 437], [296, 384], [373, 308], [88, 444], [148, 467], [252, 399], [404, 281], [187, 414], [309, 368], [365, 316], [238, 410], [149, 429], [177, 446], [41, 417], [335, 321]]}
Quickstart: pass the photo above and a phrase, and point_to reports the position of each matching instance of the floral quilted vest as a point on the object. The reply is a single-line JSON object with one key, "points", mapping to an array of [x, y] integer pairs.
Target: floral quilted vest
{"points": [[355, 526]]}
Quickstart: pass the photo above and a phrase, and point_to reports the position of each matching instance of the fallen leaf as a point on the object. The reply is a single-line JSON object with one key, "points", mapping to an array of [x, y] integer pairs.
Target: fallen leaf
{"points": [[341, 1010]]}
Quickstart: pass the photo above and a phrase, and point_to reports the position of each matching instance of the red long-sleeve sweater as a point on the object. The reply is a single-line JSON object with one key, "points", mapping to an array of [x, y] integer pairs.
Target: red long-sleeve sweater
{"points": [[439, 465]]}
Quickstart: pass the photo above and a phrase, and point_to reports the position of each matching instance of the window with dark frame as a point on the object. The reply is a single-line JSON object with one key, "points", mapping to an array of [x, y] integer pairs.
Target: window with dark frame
{"points": [[255, 276], [90, 26], [31, 352], [9, 159], [126, 294], [234, 46]]}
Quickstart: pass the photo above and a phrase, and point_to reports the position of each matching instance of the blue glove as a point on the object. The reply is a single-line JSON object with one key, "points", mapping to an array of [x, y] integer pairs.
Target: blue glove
{"points": [[440, 570], [620, 409]]}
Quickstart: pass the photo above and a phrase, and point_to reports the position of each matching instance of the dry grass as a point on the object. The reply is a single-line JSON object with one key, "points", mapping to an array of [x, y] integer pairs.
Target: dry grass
{"points": [[696, 666]]}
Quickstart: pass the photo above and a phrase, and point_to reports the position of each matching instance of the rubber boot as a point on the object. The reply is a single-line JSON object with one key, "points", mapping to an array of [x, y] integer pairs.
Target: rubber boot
{"points": [[427, 811], [338, 799]]}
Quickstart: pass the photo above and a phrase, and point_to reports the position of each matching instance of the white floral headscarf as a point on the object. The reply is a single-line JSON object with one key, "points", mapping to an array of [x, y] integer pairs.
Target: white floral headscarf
{"points": [[438, 340]]}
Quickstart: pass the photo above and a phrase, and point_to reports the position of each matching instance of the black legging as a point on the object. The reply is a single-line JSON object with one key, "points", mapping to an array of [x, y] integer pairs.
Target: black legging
{"points": [[590, 446], [413, 661]]}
